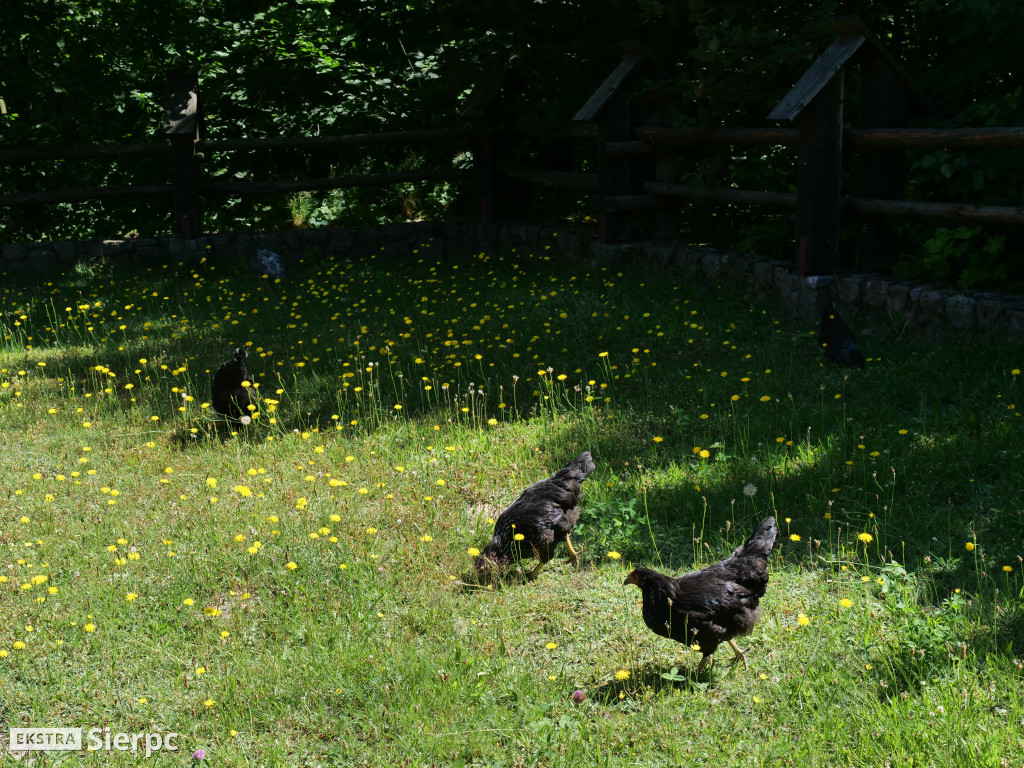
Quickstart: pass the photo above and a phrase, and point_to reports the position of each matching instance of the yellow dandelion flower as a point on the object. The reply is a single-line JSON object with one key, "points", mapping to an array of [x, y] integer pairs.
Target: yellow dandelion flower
{"points": [[846, 602], [867, 538], [622, 674], [802, 620], [613, 555]]}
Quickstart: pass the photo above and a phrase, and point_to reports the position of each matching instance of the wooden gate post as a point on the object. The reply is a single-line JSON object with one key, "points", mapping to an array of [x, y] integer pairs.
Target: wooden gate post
{"points": [[882, 171], [487, 109], [181, 123], [818, 181], [609, 107], [613, 170]]}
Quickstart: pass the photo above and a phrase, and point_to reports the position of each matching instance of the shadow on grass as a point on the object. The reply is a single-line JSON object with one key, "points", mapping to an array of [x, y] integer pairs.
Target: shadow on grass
{"points": [[655, 678]]}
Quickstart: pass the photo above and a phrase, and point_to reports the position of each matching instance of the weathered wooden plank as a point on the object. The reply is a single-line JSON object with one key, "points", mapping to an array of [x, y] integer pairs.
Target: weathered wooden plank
{"points": [[817, 76], [486, 91], [326, 142], [33, 154], [544, 177], [614, 178], [986, 214], [854, 25], [722, 194], [78, 194], [610, 88], [629, 203], [819, 166], [736, 136], [946, 138], [881, 170], [302, 185]]}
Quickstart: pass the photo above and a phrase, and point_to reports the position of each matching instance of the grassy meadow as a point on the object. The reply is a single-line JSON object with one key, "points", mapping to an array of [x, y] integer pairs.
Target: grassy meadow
{"points": [[296, 592]]}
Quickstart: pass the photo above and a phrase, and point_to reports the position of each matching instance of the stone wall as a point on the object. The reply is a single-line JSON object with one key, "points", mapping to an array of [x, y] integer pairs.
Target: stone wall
{"points": [[923, 307]]}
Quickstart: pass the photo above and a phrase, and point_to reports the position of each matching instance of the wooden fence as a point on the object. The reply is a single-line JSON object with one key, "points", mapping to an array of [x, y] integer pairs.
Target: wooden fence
{"points": [[634, 163]]}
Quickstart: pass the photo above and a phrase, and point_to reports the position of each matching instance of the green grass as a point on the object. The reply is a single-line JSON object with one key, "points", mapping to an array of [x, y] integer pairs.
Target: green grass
{"points": [[311, 563]]}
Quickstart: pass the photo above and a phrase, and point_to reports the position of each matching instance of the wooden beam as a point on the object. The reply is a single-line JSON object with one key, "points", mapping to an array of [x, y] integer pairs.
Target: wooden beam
{"points": [[32, 154], [610, 88], [303, 185], [986, 214], [77, 194], [182, 120], [819, 166], [736, 136], [720, 194], [543, 177], [945, 138], [817, 77], [881, 172], [917, 102], [327, 142]]}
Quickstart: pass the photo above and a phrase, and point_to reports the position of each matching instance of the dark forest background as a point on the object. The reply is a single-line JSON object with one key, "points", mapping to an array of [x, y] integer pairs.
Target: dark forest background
{"points": [[94, 72]]}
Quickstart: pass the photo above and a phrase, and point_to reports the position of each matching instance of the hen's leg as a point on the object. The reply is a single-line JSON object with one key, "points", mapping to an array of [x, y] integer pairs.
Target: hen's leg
{"points": [[705, 662], [574, 556], [740, 653]]}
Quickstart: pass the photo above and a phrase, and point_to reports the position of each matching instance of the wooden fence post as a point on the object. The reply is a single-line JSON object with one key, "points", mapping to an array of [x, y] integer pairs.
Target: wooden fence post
{"points": [[614, 170], [818, 181], [182, 117], [882, 171], [609, 107], [486, 108]]}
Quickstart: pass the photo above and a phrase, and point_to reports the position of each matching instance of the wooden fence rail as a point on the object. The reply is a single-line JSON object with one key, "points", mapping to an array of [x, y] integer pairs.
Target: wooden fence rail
{"points": [[630, 183], [634, 163]]}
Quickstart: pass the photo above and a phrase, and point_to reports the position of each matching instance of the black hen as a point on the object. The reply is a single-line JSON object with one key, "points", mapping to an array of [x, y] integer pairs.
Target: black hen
{"points": [[264, 262], [713, 605], [233, 388], [838, 339], [542, 516]]}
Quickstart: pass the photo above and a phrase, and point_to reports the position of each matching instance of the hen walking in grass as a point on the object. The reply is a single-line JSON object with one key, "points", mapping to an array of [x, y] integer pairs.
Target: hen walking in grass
{"points": [[713, 605], [535, 523]]}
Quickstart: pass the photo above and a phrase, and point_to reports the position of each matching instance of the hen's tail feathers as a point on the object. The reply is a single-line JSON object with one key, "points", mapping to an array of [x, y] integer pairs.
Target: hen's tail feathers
{"points": [[761, 541], [240, 354]]}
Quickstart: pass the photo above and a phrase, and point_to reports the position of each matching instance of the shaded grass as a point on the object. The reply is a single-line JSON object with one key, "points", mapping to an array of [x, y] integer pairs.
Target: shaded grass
{"points": [[308, 564]]}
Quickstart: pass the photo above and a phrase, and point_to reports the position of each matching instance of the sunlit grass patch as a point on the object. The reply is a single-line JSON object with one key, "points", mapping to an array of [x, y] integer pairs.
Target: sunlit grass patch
{"points": [[310, 562]]}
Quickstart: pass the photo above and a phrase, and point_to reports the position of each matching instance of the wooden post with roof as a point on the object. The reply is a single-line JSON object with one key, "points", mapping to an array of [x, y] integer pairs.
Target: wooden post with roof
{"points": [[182, 118], [487, 110], [609, 108], [817, 102]]}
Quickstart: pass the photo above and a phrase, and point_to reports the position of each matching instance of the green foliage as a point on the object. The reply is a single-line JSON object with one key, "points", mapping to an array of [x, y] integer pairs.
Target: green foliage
{"points": [[93, 73], [966, 255]]}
